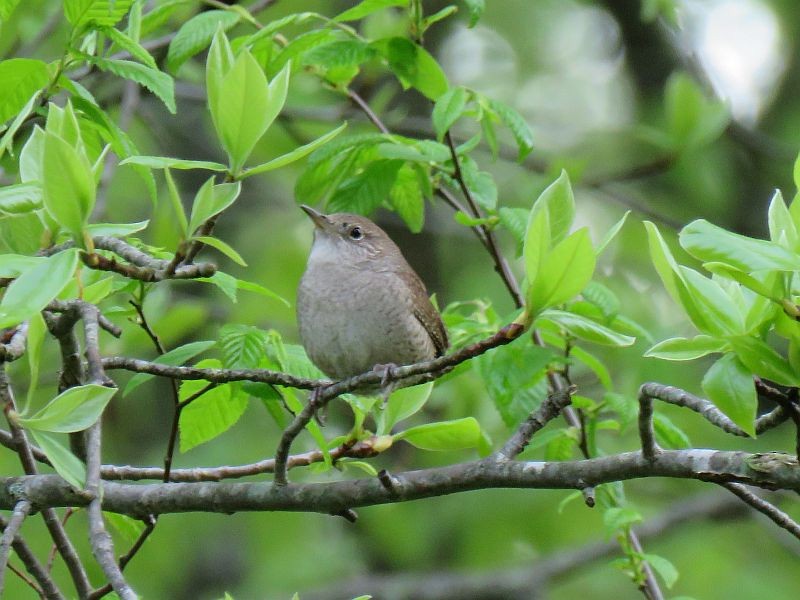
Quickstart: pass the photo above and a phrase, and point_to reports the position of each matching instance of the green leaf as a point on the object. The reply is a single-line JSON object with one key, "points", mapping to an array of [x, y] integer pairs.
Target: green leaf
{"points": [[611, 234], [515, 379], [159, 83], [413, 66], [710, 243], [211, 414], [445, 435], [37, 331], [22, 78], [720, 316], [173, 358], [406, 197], [515, 220], [663, 567], [402, 404], [222, 247], [294, 155], [586, 329], [339, 54], [64, 462], [367, 7], [22, 116], [249, 286], [68, 185], [196, 34], [74, 409], [211, 200], [672, 276], [679, 348], [560, 203], [177, 205], [729, 385], [603, 298], [565, 271], [224, 282], [519, 128], [618, 518], [364, 193], [693, 120], [475, 8], [132, 47], [481, 184], [167, 162], [102, 13], [36, 287], [20, 198], [250, 106], [668, 434], [116, 229], [447, 110], [781, 224], [762, 360], [242, 345], [6, 8], [537, 242], [773, 292]]}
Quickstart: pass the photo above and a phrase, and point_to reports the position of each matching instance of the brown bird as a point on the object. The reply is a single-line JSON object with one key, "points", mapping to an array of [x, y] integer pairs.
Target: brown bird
{"points": [[360, 304]]}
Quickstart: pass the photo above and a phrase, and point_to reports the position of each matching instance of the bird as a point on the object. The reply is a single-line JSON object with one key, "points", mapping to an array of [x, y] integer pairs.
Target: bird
{"points": [[360, 305]]}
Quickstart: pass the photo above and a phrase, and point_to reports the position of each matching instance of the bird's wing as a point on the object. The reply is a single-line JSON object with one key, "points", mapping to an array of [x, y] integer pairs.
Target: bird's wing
{"points": [[426, 313]]}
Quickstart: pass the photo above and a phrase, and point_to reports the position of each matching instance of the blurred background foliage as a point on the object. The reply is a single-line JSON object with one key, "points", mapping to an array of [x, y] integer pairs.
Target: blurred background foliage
{"points": [[604, 86]]}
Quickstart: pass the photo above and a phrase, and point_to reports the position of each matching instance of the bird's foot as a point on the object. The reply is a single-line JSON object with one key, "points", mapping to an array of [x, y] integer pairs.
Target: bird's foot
{"points": [[387, 385]]}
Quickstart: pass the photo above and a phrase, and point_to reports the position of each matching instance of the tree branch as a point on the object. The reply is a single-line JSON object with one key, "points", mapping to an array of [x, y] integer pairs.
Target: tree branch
{"points": [[771, 471], [776, 515], [21, 510], [48, 588]]}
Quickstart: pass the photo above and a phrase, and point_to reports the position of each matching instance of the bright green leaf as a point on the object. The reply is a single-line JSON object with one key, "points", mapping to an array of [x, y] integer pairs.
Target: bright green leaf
{"points": [[367, 7], [402, 404], [211, 414], [711, 243], [22, 78], [36, 287], [211, 200], [586, 329], [565, 271], [166, 162], [447, 110], [74, 409], [729, 385], [763, 361], [196, 34], [445, 435], [679, 348], [68, 184], [222, 247], [66, 464], [294, 155]]}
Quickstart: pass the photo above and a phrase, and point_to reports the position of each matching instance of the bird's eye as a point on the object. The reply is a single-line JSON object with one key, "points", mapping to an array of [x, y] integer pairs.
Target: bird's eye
{"points": [[356, 233]]}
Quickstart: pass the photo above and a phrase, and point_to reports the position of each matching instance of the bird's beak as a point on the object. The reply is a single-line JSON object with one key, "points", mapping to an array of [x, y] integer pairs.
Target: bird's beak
{"points": [[320, 220]]}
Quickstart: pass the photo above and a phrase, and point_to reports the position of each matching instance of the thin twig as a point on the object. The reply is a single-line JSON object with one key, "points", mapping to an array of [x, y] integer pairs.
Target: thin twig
{"points": [[60, 538], [46, 586], [21, 510], [547, 411], [776, 515], [433, 368], [173, 433], [361, 449], [100, 539]]}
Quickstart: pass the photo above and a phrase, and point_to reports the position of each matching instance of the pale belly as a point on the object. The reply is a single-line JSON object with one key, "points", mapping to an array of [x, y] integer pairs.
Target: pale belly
{"points": [[349, 324]]}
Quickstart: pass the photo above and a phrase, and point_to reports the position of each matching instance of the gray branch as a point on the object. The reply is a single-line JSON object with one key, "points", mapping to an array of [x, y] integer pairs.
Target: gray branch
{"points": [[21, 510], [771, 471], [780, 518]]}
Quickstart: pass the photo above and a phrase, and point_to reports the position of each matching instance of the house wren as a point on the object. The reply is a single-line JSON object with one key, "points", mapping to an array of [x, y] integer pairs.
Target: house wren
{"points": [[360, 304]]}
